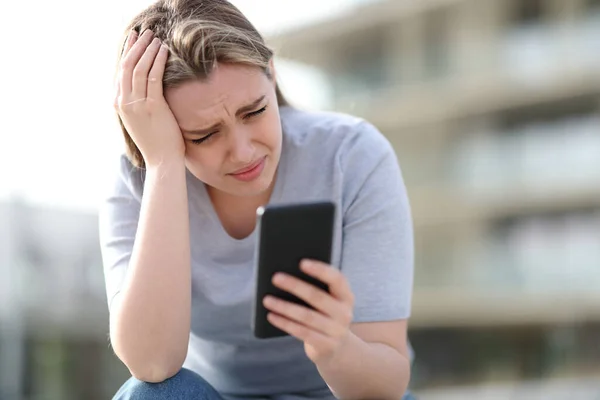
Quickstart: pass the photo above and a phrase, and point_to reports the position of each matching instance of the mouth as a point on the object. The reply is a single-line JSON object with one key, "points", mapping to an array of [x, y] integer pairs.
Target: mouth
{"points": [[249, 167]]}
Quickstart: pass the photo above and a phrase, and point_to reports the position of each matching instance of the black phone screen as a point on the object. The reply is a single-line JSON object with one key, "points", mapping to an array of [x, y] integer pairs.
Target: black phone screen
{"points": [[288, 234]]}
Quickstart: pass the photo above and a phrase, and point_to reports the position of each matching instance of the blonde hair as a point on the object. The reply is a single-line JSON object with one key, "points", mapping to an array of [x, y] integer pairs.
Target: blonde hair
{"points": [[199, 34]]}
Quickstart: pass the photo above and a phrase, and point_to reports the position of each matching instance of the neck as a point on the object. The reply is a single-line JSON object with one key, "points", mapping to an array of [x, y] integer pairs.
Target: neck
{"points": [[233, 204], [238, 213]]}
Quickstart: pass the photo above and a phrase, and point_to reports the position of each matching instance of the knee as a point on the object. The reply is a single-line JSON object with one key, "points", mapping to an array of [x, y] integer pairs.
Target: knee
{"points": [[184, 385]]}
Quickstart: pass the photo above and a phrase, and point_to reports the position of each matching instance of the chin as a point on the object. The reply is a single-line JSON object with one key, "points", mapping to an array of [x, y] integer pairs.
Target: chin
{"points": [[249, 189]]}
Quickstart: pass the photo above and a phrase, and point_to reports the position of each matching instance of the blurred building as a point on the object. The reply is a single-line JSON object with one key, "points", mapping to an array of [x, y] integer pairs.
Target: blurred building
{"points": [[53, 314], [493, 107]]}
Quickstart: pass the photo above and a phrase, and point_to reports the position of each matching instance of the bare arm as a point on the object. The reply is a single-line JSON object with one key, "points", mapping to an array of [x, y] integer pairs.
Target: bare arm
{"points": [[150, 317], [373, 365]]}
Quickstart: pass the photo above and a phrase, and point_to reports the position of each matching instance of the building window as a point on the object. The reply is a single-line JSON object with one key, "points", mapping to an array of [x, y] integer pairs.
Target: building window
{"points": [[361, 67], [594, 5], [527, 12], [436, 44]]}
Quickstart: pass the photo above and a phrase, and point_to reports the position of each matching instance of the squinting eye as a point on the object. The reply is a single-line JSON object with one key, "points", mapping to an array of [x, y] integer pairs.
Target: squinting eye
{"points": [[255, 113], [203, 139]]}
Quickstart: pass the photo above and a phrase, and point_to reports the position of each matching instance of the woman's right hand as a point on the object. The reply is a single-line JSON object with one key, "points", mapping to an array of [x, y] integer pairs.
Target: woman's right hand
{"points": [[140, 101]]}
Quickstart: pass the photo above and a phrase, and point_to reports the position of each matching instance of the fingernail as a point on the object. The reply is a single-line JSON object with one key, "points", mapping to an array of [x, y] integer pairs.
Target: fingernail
{"points": [[279, 277], [155, 41]]}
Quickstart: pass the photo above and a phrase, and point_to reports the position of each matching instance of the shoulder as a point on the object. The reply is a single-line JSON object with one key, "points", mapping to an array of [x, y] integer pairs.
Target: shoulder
{"points": [[335, 133], [124, 178]]}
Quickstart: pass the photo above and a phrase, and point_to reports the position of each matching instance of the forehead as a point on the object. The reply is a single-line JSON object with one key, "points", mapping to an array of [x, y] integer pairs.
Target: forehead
{"points": [[228, 88]]}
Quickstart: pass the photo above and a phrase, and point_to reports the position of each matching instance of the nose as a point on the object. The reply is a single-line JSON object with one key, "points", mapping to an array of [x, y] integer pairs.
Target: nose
{"points": [[241, 148]]}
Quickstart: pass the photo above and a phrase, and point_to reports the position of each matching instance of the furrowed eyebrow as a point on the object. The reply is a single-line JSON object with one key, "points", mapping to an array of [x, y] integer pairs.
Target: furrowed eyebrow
{"points": [[214, 127], [251, 106]]}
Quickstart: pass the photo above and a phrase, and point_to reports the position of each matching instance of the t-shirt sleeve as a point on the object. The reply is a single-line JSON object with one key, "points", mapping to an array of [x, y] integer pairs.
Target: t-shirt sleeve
{"points": [[377, 244], [118, 220]]}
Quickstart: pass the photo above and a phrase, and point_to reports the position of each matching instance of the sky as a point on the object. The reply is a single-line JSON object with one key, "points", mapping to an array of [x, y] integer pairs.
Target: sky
{"points": [[58, 131]]}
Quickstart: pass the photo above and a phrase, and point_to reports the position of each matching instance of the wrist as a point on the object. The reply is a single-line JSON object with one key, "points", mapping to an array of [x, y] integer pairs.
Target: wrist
{"points": [[336, 360], [165, 163]]}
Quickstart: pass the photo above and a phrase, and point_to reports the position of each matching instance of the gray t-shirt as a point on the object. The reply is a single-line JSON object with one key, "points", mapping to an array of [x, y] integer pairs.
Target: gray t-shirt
{"points": [[325, 156]]}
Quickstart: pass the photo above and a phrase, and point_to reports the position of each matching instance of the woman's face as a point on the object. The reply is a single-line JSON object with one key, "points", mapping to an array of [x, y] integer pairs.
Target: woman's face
{"points": [[231, 127]]}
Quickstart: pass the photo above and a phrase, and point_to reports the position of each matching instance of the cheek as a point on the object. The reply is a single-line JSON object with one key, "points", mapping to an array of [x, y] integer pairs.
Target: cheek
{"points": [[200, 160], [270, 131], [191, 152]]}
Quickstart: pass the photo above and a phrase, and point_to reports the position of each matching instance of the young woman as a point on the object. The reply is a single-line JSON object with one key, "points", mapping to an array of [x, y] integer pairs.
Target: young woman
{"points": [[209, 139]]}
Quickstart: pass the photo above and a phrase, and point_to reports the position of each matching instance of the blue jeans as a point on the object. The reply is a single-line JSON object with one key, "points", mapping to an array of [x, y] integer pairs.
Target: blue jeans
{"points": [[186, 385]]}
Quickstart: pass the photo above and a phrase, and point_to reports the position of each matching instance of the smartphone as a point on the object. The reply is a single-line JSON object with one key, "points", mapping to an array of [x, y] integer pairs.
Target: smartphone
{"points": [[288, 234]]}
